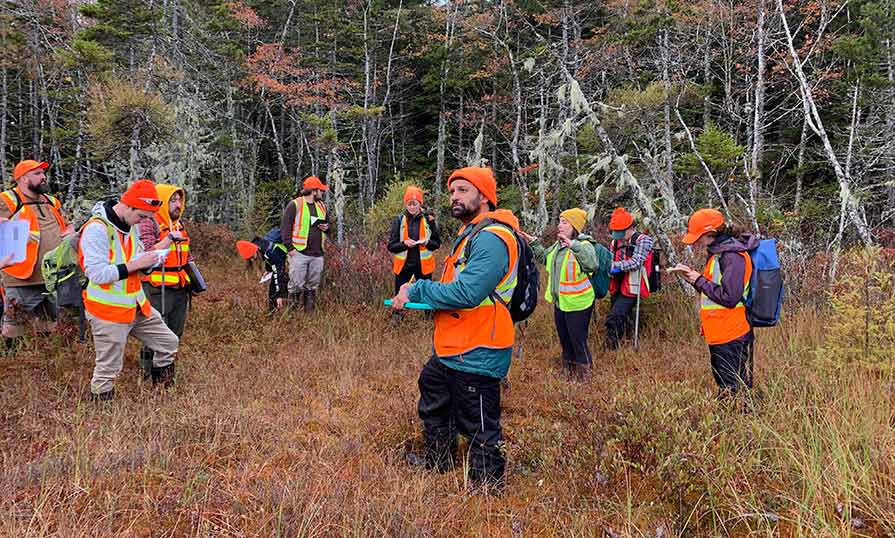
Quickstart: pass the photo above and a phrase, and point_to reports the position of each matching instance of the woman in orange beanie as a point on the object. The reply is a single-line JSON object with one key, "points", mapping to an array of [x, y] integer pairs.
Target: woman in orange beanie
{"points": [[413, 240]]}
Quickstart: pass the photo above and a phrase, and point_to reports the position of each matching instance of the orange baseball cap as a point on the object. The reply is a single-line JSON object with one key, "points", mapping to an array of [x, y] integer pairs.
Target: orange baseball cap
{"points": [[702, 221], [313, 182], [620, 220], [142, 195], [482, 178], [26, 166], [246, 249]]}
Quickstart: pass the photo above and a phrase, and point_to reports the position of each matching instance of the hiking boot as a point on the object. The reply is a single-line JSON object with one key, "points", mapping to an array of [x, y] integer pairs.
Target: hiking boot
{"points": [[429, 464], [310, 297], [102, 396], [163, 376]]}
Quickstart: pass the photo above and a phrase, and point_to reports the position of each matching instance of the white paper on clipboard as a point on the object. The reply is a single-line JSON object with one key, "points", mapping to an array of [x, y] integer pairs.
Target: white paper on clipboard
{"points": [[14, 239]]}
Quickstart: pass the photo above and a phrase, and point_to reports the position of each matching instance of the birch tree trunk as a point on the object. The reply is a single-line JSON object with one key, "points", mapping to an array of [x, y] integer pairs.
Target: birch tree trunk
{"points": [[666, 182], [759, 105], [541, 214], [441, 142], [851, 204], [800, 166]]}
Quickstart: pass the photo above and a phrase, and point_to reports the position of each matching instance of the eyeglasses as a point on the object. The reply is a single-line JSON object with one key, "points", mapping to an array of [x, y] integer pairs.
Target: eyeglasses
{"points": [[152, 201]]}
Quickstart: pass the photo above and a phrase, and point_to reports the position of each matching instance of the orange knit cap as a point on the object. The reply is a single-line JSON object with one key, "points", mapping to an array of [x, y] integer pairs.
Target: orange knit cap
{"points": [[413, 193], [482, 178], [142, 195], [621, 220]]}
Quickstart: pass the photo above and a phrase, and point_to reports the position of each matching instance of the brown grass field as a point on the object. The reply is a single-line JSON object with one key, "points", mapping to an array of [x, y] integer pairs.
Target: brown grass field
{"points": [[296, 426]]}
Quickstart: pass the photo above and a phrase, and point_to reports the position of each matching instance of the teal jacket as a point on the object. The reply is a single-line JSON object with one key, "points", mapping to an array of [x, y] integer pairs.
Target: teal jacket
{"points": [[582, 249], [488, 263]]}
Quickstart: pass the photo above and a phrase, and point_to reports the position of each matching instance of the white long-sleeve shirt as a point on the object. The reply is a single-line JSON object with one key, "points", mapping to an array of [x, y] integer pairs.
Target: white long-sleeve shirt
{"points": [[94, 245]]}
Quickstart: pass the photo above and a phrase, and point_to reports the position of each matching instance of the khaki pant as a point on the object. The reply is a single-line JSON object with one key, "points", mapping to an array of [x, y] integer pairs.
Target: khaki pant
{"points": [[305, 272], [109, 338]]}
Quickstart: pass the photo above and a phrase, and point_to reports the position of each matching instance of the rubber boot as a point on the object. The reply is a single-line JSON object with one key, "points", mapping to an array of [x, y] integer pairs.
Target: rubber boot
{"points": [[103, 396], [310, 297], [163, 376], [296, 299], [13, 345], [145, 360], [583, 372]]}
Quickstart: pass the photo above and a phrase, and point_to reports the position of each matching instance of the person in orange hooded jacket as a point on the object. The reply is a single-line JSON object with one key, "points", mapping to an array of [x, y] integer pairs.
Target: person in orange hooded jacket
{"points": [[474, 333], [165, 231]]}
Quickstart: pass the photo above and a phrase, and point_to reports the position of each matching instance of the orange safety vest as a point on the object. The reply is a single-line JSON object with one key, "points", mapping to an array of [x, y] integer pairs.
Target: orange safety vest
{"points": [[719, 323], [117, 301], [175, 263], [427, 258], [489, 324], [13, 198], [301, 227]]}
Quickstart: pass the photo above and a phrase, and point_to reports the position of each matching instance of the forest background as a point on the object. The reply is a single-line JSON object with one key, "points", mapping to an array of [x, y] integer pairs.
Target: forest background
{"points": [[778, 112]]}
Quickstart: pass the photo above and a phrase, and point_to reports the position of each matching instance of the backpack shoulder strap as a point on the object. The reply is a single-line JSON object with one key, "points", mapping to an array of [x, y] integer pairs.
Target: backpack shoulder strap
{"points": [[484, 223], [11, 195]]}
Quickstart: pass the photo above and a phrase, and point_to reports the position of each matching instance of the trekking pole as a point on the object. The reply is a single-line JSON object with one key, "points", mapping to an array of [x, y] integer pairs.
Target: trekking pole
{"points": [[163, 294], [637, 312]]}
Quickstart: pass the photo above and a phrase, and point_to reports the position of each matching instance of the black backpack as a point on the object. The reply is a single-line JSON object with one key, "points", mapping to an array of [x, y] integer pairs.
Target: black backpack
{"points": [[528, 279]]}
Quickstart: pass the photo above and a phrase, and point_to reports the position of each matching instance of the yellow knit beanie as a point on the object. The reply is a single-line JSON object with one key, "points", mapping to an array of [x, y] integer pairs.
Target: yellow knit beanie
{"points": [[576, 217]]}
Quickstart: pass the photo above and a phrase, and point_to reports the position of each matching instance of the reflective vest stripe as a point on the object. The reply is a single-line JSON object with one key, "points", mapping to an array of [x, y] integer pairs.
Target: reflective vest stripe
{"points": [[301, 227], [719, 323], [24, 269], [178, 257], [117, 301], [427, 258]]}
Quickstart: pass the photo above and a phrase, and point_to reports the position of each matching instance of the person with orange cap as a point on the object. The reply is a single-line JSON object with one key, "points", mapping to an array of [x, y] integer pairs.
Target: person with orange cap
{"points": [[112, 256], [632, 255], [167, 286], [474, 332], [569, 263], [413, 240], [270, 248], [723, 287], [302, 227], [26, 298]]}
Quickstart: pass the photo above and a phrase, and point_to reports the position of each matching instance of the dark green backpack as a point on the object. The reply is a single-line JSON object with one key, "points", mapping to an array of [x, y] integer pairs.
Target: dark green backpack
{"points": [[62, 275], [599, 279]]}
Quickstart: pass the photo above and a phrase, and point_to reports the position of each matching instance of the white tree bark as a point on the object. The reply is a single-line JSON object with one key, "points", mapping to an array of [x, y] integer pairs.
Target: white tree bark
{"points": [[758, 119], [441, 142], [851, 204]]}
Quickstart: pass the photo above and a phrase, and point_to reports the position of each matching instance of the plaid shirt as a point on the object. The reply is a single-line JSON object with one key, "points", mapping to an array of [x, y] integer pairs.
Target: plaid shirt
{"points": [[641, 250]]}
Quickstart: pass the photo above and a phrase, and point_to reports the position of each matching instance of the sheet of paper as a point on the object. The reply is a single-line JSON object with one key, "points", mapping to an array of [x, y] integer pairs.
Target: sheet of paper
{"points": [[14, 239], [267, 276]]}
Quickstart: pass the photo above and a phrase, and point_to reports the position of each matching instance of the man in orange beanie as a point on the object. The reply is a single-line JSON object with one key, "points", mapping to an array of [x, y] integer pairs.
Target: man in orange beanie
{"points": [[111, 255], [474, 332], [302, 227], [632, 255], [413, 240], [26, 298]]}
